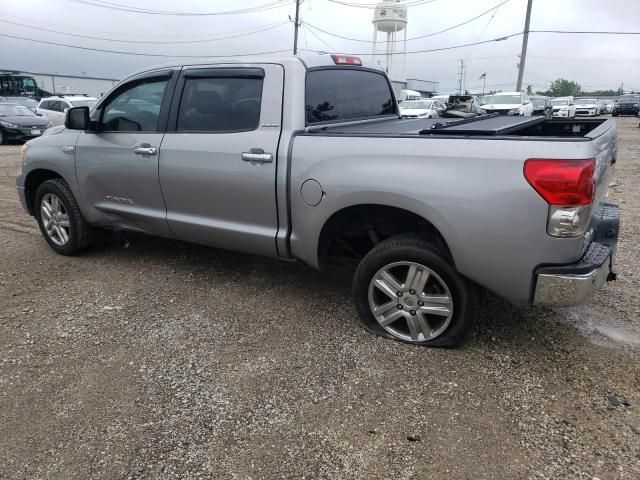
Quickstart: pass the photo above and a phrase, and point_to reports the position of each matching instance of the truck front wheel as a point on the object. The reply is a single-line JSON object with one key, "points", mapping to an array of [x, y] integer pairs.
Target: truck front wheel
{"points": [[406, 289], [59, 218]]}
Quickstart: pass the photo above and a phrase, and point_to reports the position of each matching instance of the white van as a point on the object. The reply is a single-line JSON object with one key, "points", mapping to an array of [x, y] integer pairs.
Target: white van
{"points": [[55, 108]]}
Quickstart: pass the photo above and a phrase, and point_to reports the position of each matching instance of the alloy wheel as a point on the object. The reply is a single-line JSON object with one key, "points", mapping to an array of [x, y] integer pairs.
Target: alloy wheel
{"points": [[55, 219], [410, 301]]}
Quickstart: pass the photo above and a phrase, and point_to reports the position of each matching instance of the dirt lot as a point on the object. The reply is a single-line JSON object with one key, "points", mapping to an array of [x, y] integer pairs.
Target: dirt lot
{"points": [[158, 359]]}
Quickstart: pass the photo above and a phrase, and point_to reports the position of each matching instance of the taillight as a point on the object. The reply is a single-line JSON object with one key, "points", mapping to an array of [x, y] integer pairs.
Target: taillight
{"points": [[568, 186], [346, 60], [562, 182]]}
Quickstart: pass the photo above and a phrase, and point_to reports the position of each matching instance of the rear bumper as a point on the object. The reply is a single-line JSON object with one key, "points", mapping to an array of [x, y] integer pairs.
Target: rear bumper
{"points": [[626, 110], [574, 284]]}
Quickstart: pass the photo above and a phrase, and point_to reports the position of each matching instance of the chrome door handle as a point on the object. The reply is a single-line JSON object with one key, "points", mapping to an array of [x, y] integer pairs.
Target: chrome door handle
{"points": [[257, 155], [145, 149]]}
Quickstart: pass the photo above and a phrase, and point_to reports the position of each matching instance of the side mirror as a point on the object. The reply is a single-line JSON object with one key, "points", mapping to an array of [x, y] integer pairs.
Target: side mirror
{"points": [[77, 118]]}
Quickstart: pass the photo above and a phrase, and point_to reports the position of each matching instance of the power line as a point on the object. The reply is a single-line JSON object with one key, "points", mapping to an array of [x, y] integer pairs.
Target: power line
{"points": [[412, 38], [604, 60], [108, 32], [498, 39], [409, 3], [331, 48], [467, 60], [126, 8], [136, 53], [538, 76], [582, 32], [171, 42]]}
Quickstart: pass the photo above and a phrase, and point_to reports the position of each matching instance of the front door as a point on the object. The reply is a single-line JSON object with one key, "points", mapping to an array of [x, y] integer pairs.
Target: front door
{"points": [[218, 162], [117, 165]]}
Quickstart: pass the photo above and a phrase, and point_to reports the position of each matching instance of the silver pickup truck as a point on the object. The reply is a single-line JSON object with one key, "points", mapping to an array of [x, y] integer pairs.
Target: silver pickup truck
{"points": [[306, 158]]}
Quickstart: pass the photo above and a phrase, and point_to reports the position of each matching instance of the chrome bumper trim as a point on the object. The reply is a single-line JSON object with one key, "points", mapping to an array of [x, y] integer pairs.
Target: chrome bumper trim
{"points": [[562, 290]]}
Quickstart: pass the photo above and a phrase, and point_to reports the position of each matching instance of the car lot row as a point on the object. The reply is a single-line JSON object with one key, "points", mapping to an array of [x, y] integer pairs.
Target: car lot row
{"points": [[517, 103], [23, 118]]}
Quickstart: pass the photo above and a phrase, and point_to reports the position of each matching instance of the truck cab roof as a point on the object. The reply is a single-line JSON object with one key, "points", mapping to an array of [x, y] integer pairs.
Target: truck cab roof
{"points": [[306, 60]]}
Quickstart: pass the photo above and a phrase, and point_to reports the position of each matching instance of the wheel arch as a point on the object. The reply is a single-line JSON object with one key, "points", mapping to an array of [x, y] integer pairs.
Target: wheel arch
{"points": [[386, 220], [33, 180]]}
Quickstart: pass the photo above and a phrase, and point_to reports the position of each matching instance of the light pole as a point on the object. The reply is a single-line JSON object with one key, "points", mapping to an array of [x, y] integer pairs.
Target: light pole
{"points": [[525, 41], [295, 30]]}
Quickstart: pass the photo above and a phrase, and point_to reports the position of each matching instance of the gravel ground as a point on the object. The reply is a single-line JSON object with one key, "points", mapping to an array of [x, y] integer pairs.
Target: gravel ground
{"points": [[151, 358]]}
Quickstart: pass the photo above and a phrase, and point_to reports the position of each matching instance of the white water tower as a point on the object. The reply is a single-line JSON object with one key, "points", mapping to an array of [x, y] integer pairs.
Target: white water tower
{"points": [[390, 17]]}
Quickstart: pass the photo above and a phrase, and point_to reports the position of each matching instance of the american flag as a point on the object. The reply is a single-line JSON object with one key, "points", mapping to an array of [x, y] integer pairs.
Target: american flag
{"points": [[483, 76]]}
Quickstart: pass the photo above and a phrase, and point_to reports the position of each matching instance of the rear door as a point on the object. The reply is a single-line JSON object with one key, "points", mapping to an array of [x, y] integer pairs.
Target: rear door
{"points": [[217, 169], [117, 166], [56, 112]]}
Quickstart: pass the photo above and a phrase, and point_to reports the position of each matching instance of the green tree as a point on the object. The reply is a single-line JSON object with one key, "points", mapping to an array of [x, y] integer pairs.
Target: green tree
{"points": [[529, 90], [563, 88]]}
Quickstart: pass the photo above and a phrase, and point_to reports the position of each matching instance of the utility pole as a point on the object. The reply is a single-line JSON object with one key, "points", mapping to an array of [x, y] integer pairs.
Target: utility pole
{"points": [[525, 41], [295, 31], [460, 77]]}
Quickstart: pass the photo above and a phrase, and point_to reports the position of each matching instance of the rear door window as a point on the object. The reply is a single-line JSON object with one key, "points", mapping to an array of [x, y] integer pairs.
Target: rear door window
{"points": [[56, 106], [342, 94], [220, 104]]}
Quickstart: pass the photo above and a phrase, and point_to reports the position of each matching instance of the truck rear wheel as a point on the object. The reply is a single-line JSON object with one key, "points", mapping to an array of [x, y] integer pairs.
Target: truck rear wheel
{"points": [[59, 218], [406, 289]]}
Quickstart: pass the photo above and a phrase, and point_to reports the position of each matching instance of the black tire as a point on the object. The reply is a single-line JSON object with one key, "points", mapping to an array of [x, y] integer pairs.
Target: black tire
{"points": [[410, 248], [79, 230], [614, 114], [3, 137]]}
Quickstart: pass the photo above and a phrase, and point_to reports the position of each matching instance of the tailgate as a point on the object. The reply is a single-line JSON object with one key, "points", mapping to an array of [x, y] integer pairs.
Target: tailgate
{"points": [[605, 143]]}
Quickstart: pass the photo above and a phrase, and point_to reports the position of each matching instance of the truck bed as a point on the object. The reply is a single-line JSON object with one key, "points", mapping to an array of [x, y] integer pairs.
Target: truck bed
{"points": [[490, 126]]}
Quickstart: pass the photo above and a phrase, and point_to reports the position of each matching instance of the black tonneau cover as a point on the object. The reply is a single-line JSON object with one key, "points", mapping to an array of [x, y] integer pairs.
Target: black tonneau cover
{"points": [[483, 126]]}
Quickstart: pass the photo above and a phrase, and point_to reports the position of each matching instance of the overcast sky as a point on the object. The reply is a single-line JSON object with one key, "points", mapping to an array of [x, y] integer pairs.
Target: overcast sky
{"points": [[594, 61]]}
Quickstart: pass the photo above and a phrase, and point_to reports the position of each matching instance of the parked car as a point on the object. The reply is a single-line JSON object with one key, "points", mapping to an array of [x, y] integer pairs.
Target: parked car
{"points": [[542, 106], [563, 107], [626, 105], [602, 108], [17, 122], [608, 106], [443, 99], [587, 107], [54, 108], [406, 95], [306, 158], [421, 109], [508, 103], [462, 106], [29, 102]]}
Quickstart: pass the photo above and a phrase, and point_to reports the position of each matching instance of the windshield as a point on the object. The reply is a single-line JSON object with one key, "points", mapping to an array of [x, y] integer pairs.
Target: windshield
{"points": [[83, 103], [559, 103], [538, 102], [509, 99], [26, 101], [416, 105], [585, 101], [11, 110], [629, 99]]}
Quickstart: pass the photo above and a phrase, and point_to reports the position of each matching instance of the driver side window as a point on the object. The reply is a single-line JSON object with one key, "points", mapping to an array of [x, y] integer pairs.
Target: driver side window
{"points": [[136, 108]]}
